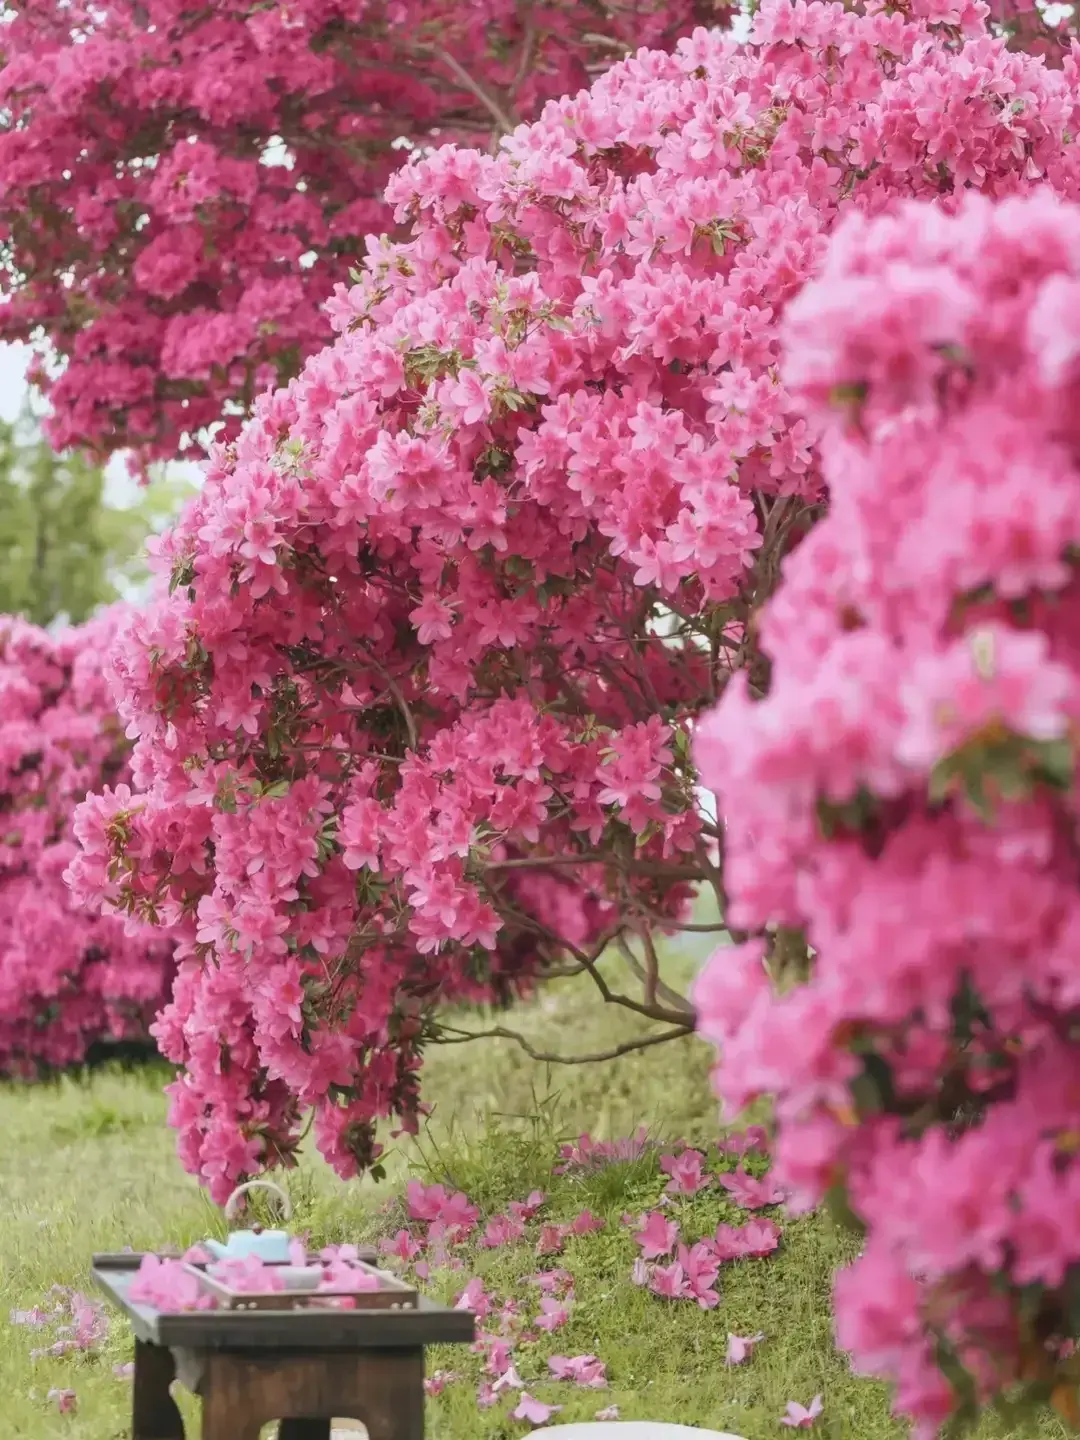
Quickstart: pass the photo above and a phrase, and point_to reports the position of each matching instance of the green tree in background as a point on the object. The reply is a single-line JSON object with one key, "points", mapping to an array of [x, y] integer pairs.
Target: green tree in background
{"points": [[63, 550]]}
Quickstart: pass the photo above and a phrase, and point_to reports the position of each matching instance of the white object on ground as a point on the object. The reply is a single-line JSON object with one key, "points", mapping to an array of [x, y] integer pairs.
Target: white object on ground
{"points": [[630, 1430]]}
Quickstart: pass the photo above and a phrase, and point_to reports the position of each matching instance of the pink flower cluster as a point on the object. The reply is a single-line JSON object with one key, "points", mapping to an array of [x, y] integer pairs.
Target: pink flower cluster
{"points": [[68, 976], [585, 1153], [694, 1272], [413, 716], [168, 1285], [172, 1286], [903, 800], [451, 1221], [217, 165], [74, 1322]]}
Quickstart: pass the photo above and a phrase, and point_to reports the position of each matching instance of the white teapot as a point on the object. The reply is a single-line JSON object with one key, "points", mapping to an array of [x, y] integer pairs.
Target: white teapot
{"points": [[269, 1246]]}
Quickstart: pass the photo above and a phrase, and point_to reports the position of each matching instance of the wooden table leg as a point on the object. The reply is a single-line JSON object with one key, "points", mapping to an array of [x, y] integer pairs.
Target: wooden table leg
{"points": [[154, 1415]]}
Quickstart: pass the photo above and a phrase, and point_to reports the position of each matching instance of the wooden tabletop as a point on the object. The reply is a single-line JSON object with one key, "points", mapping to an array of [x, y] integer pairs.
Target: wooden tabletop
{"points": [[290, 1330]]}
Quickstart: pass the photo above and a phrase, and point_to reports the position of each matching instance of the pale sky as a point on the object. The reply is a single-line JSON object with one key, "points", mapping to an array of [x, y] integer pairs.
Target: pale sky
{"points": [[120, 489]]}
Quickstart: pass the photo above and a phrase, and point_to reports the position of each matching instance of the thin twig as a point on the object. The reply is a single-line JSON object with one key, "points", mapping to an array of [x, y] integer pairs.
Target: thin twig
{"points": [[402, 703], [612, 997], [649, 975], [664, 922], [450, 1035], [491, 105], [629, 867], [525, 59], [532, 862]]}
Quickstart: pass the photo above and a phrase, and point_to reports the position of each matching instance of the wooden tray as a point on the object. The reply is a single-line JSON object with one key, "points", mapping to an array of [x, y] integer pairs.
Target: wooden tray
{"points": [[392, 1294], [272, 1331]]}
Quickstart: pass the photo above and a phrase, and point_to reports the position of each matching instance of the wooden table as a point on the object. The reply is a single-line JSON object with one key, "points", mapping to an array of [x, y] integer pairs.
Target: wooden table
{"points": [[302, 1367]]}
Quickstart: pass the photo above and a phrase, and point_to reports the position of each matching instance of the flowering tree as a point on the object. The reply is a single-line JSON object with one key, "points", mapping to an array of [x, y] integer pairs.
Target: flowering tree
{"points": [[183, 183], [905, 799], [414, 714], [68, 977]]}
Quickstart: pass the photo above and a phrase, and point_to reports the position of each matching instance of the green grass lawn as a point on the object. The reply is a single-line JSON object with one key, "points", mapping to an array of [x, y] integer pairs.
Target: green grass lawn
{"points": [[90, 1166]]}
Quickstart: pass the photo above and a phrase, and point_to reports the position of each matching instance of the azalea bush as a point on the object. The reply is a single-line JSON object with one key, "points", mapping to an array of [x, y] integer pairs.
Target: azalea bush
{"points": [[182, 184], [903, 800], [69, 977], [414, 710]]}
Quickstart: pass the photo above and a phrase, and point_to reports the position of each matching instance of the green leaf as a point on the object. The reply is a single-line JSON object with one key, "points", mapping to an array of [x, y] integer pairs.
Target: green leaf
{"points": [[872, 1091], [838, 1207], [1056, 762]]}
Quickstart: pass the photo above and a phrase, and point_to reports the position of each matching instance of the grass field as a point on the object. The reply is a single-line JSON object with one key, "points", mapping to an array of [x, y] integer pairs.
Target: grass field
{"points": [[89, 1166]]}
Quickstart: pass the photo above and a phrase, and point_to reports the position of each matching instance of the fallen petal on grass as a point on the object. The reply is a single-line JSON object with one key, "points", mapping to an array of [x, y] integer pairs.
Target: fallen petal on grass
{"points": [[533, 1410], [800, 1417], [739, 1347]]}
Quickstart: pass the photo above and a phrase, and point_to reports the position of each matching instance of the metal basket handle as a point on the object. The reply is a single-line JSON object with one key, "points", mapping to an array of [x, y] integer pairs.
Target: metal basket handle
{"points": [[230, 1204]]}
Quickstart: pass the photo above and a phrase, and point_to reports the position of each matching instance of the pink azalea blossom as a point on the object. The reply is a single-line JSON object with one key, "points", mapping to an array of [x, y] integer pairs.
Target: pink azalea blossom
{"points": [[586, 1223], [741, 1142], [750, 1192], [668, 1281], [435, 1384], [554, 1282], [533, 1410], [700, 1268], [756, 1238], [527, 1209], [585, 1370], [69, 976], [402, 1246], [458, 1215], [502, 1230], [686, 1171], [247, 1275], [167, 1285], [424, 1202], [475, 1298], [656, 1236], [66, 1401], [609, 1412], [589, 1154], [499, 1354], [739, 1347], [553, 1314], [552, 1240], [508, 1380], [799, 1417]]}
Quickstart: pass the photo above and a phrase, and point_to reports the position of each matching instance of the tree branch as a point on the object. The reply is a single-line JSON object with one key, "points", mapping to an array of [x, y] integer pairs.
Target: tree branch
{"points": [[391, 685], [649, 975], [491, 105], [450, 1035]]}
